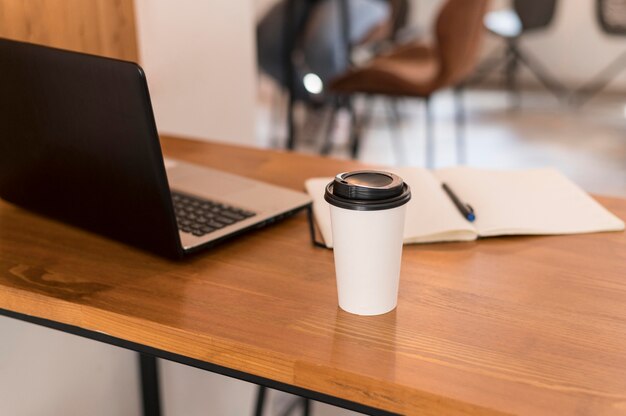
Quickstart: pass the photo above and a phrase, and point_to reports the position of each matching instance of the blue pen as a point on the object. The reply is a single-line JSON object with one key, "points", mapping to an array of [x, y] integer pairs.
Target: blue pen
{"points": [[466, 209]]}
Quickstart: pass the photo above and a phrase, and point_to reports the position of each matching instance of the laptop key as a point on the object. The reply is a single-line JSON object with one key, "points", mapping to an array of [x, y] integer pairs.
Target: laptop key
{"points": [[199, 216], [233, 215], [216, 224], [245, 213], [224, 220]]}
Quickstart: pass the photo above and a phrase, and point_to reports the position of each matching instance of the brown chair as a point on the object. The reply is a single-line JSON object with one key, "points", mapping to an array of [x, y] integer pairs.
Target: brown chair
{"points": [[419, 70]]}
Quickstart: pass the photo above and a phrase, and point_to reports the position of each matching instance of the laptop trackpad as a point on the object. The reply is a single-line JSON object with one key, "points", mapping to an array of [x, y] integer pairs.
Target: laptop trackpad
{"points": [[204, 181]]}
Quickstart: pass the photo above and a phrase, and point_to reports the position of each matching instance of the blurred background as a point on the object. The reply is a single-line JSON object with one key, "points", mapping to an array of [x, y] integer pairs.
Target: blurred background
{"points": [[493, 84]]}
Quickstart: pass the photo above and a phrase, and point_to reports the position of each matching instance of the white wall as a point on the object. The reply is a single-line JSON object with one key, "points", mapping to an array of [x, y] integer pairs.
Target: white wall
{"points": [[200, 60], [46, 372]]}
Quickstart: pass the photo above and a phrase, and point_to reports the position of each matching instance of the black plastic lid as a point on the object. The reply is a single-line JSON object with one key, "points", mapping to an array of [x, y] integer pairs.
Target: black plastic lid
{"points": [[367, 190]]}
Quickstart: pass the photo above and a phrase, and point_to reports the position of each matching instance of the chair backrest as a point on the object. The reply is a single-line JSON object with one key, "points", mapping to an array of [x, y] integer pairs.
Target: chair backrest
{"points": [[459, 32], [612, 16], [534, 14]]}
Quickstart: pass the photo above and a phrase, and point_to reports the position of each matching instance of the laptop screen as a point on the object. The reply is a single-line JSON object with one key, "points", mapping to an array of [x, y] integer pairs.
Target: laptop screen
{"points": [[79, 143]]}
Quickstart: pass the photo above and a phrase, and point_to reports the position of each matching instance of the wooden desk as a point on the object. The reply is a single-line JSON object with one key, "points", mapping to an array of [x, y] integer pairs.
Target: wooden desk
{"points": [[526, 325]]}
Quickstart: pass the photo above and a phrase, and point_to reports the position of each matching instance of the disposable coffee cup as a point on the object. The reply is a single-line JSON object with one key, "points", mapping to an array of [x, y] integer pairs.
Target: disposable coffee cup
{"points": [[367, 210]]}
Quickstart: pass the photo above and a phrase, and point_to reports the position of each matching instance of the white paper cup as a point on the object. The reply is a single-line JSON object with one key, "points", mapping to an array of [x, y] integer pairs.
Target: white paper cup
{"points": [[367, 240]]}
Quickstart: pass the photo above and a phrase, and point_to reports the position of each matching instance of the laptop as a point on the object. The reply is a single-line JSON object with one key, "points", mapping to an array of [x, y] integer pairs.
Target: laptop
{"points": [[78, 143]]}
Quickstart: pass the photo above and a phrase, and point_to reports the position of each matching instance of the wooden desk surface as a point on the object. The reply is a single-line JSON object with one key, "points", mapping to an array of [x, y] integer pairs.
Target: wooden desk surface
{"points": [[526, 325]]}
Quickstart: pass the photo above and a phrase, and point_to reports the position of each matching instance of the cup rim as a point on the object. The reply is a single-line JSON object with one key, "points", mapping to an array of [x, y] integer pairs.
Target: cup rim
{"points": [[367, 205]]}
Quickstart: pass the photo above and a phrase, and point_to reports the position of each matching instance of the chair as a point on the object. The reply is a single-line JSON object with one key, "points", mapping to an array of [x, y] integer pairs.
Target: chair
{"points": [[526, 16], [300, 39], [611, 15], [419, 70]]}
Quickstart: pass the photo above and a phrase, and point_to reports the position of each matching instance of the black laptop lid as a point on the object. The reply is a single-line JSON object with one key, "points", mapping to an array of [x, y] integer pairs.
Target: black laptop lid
{"points": [[78, 142]]}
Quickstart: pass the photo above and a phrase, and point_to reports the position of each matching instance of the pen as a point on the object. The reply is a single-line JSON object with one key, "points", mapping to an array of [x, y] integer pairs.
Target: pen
{"points": [[466, 209]]}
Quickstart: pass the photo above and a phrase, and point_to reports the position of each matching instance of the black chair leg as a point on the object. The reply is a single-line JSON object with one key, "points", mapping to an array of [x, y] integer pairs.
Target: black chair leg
{"points": [[539, 72], [511, 69], [355, 131], [461, 149], [393, 116], [491, 64], [276, 117], [359, 124], [514, 56], [292, 27], [291, 134], [394, 107], [330, 125], [430, 146]]}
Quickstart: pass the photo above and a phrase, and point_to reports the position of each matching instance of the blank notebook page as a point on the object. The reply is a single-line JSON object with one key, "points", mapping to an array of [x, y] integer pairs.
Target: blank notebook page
{"points": [[531, 201]]}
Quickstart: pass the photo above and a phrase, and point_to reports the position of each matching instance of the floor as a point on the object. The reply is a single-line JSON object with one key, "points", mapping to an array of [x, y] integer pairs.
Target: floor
{"points": [[588, 144]]}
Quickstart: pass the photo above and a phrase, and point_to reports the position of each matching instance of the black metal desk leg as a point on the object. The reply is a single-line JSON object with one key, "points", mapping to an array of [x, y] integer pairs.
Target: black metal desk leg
{"points": [[149, 385], [306, 407], [260, 400]]}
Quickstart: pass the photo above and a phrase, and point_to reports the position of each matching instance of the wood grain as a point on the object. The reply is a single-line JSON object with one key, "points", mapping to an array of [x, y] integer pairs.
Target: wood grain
{"points": [[521, 325], [101, 27]]}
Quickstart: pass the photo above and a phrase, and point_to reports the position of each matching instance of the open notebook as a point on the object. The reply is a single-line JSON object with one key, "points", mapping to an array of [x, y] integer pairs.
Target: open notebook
{"points": [[531, 201]]}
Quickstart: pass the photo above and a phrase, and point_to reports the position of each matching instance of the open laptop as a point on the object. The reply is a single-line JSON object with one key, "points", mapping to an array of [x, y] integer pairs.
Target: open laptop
{"points": [[78, 142]]}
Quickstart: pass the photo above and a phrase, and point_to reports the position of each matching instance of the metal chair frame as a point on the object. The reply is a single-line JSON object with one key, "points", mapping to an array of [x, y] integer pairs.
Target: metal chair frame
{"points": [[604, 77]]}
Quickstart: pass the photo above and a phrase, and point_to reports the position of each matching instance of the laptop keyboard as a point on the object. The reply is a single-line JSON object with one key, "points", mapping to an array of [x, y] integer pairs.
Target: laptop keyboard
{"points": [[200, 216]]}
